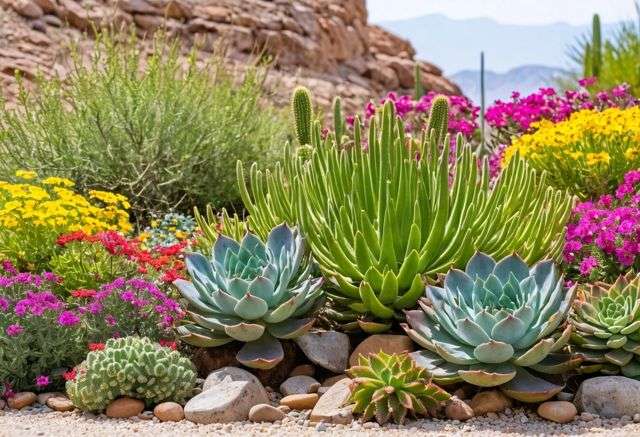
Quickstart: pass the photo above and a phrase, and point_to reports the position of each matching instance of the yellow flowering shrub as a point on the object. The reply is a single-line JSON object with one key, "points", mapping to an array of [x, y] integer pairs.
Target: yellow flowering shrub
{"points": [[588, 153], [34, 212]]}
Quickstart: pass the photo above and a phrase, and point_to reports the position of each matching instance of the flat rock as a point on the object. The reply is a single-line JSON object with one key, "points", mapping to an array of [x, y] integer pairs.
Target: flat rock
{"points": [[229, 402], [124, 407], [558, 411], [609, 396], [491, 401], [265, 413], [457, 409], [327, 349], [44, 397], [303, 370], [300, 402], [60, 403], [21, 400], [297, 385], [389, 344], [169, 412], [331, 406]]}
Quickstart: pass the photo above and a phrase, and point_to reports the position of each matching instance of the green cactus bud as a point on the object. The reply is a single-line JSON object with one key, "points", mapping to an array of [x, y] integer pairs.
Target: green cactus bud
{"points": [[338, 120], [418, 88], [133, 367], [303, 114], [596, 46], [439, 118]]}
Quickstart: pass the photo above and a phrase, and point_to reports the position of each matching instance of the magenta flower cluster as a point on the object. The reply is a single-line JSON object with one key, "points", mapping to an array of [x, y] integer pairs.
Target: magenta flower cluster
{"points": [[463, 115], [547, 104], [603, 236], [130, 307]]}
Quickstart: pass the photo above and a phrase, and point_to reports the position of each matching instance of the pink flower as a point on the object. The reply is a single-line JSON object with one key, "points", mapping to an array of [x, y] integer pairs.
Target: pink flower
{"points": [[587, 265], [68, 318], [14, 330], [42, 381], [587, 81]]}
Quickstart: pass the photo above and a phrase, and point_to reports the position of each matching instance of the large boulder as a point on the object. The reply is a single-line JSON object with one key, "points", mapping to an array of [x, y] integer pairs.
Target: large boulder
{"points": [[609, 396], [230, 401]]}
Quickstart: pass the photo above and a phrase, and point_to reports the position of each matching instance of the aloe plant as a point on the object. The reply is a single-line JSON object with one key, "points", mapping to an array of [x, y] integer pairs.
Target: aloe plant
{"points": [[250, 292], [382, 215], [496, 324], [607, 327], [389, 386]]}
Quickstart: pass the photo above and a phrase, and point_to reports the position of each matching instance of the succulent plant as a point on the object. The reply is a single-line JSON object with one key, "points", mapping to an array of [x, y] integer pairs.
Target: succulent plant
{"points": [[392, 386], [250, 292], [607, 327], [134, 367], [496, 324], [302, 114], [380, 217]]}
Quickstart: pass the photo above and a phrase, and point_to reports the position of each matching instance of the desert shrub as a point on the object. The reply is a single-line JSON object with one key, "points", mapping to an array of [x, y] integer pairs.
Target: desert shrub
{"points": [[160, 129], [588, 153], [35, 211]]}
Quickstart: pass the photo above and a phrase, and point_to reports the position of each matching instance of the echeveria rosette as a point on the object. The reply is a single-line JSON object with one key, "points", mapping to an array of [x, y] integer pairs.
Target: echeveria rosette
{"points": [[493, 324], [391, 386], [251, 292], [607, 327]]}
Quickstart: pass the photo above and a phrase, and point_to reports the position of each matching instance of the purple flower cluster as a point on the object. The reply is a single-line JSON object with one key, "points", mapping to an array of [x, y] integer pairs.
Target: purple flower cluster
{"points": [[463, 114], [130, 307], [603, 237], [516, 116]]}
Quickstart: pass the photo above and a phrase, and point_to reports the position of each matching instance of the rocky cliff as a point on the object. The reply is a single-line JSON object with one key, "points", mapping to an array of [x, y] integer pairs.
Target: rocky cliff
{"points": [[327, 45]]}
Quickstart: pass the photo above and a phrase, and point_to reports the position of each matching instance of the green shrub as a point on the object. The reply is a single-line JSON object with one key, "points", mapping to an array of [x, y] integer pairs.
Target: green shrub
{"points": [[163, 130]]}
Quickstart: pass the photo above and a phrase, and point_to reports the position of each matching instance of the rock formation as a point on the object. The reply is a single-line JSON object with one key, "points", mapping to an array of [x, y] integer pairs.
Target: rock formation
{"points": [[326, 45]]}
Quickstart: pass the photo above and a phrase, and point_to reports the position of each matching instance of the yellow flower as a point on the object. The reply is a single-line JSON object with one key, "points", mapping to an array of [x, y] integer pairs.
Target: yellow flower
{"points": [[632, 153], [27, 175], [598, 158], [53, 180], [181, 235]]}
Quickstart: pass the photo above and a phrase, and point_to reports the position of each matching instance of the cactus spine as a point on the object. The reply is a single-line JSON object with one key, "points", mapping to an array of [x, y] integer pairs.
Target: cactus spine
{"points": [[303, 114], [439, 118], [418, 87]]}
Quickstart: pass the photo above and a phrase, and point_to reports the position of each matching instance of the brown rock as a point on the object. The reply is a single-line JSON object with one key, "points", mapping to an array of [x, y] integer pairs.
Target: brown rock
{"points": [[60, 403], [148, 22], [389, 344], [2, 404], [331, 407], [300, 384], [21, 400], [265, 413], [333, 379], [558, 411], [169, 412], [124, 407], [214, 13], [457, 409], [491, 401], [47, 6], [178, 9], [137, 7], [27, 8], [44, 397], [300, 402], [303, 370]]}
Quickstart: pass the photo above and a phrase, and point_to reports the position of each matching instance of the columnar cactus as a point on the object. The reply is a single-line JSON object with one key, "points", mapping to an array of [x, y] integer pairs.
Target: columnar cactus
{"points": [[303, 114], [133, 367], [439, 118]]}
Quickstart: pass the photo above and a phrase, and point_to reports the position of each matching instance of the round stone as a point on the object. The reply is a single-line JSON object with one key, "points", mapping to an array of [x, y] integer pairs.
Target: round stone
{"points": [[124, 407], [169, 412], [301, 401], [265, 413], [558, 411]]}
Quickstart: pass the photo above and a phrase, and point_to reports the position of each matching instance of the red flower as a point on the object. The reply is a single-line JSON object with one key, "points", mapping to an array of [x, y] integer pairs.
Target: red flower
{"points": [[83, 293], [168, 343], [65, 239], [96, 347], [170, 276], [70, 375]]}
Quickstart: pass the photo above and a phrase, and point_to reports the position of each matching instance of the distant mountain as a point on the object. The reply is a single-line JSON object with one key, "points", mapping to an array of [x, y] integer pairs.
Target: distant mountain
{"points": [[525, 79], [455, 45]]}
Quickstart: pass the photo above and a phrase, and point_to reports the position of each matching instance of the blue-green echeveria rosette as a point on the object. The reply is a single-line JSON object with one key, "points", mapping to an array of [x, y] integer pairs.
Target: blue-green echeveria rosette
{"points": [[251, 292], [496, 324]]}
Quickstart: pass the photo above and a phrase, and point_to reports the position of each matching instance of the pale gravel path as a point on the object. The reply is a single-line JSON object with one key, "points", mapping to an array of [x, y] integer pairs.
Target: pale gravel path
{"points": [[15, 424]]}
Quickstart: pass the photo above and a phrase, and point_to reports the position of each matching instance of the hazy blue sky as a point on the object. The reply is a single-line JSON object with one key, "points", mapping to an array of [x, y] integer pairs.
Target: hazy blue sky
{"points": [[505, 11]]}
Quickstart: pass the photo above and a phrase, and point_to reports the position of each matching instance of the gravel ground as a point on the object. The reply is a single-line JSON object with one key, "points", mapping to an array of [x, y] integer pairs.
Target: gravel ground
{"points": [[15, 424]]}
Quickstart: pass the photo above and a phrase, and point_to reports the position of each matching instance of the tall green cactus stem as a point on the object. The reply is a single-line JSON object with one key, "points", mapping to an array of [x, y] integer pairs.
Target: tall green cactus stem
{"points": [[418, 88], [303, 114], [133, 367], [338, 120], [439, 118], [596, 46]]}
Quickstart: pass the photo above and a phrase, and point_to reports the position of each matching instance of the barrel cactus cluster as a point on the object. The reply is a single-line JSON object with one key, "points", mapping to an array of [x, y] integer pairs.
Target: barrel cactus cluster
{"points": [[133, 367]]}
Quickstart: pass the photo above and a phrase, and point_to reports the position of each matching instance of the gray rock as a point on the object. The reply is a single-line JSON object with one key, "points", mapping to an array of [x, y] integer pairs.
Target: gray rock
{"points": [[609, 396], [328, 349], [265, 413], [331, 407], [231, 401], [297, 385], [225, 373]]}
